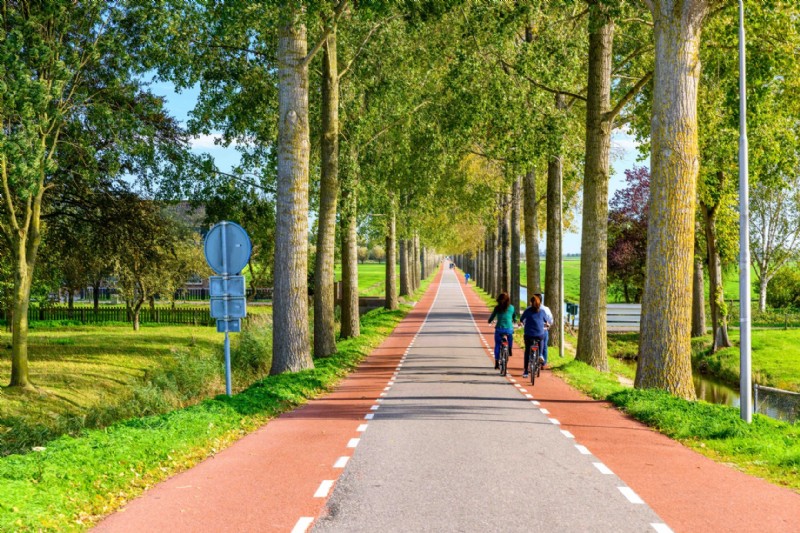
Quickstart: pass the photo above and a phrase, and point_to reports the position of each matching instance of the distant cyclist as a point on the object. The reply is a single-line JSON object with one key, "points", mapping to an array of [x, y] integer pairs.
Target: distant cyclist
{"points": [[534, 319], [506, 316], [466, 278]]}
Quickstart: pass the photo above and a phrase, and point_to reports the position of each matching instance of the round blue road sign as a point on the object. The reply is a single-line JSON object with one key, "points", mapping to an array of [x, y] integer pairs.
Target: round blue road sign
{"points": [[227, 248]]}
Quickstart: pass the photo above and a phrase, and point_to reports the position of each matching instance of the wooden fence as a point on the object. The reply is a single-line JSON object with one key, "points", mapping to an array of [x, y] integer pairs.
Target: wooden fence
{"points": [[88, 315]]}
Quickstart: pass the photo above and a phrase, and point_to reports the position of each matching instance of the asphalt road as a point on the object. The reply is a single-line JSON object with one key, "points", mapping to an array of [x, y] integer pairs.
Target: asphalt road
{"points": [[453, 446]]}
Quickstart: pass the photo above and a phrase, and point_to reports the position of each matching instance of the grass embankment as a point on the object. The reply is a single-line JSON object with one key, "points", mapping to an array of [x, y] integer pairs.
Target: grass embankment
{"points": [[72, 482], [766, 448]]}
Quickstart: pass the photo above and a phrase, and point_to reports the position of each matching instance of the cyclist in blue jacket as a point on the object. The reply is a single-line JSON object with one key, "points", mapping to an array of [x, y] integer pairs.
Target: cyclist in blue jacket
{"points": [[534, 318]]}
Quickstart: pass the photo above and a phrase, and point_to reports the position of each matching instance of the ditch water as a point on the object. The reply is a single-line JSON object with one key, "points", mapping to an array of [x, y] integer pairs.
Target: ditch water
{"points": [[715, 391]]}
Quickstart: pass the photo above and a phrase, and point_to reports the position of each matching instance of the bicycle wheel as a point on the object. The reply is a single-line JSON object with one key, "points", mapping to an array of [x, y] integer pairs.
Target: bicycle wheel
{"points": [[533, 365], [503, 360]]}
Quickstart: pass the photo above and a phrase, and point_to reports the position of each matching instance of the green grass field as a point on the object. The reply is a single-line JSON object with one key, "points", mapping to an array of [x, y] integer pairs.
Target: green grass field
{"points": [[572, 280], [371, 278]]}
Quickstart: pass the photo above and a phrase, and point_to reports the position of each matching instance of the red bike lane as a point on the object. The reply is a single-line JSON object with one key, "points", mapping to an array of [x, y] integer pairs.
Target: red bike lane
{"points": [[691, 492], [278, 477]]}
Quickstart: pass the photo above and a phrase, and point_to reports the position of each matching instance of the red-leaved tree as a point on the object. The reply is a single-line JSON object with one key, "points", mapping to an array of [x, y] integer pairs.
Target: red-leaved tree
{"points": [[627, 236]]}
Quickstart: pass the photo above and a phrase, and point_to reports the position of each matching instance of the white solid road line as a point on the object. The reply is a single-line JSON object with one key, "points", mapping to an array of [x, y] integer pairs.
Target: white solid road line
{"points": [[302, 525], [632, 496], [603, 468], [341, 462], [324, 488]]}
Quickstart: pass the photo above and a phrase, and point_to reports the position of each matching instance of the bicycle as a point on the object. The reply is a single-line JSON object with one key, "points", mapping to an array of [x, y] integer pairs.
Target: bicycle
{"points": [[534, 366], [504, 354]]}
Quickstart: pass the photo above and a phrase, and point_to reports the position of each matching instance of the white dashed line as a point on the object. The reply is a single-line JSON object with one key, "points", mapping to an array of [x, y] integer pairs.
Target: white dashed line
{"points": [[341, 462], [554, 421], [530, 396], [324, 488], [375, 407], [369, 416], [632, 496], [523, 390], [517, 385], [544, 411], [534, 402], [583, 449], [390, 383], [353, 443], [383, 394], [379, 400], [302, 525], [661, 528], [386, 388], [362, 428], [512, 380], [567, 434], [603, 468]]}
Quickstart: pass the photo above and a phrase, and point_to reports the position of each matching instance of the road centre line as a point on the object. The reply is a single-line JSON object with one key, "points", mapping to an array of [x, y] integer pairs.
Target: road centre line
{"points": [[632, 496], [661, 528], [324, 488], [302, 525], [603, 468]]}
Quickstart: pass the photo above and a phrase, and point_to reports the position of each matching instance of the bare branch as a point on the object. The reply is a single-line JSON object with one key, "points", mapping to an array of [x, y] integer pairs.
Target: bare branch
{"points": [[628, 97], [337, 13], [540, 85]]}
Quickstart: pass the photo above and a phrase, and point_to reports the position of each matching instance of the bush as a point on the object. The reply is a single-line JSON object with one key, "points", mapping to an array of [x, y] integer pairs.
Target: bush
{"points": [[783, 290], [251, 356]]}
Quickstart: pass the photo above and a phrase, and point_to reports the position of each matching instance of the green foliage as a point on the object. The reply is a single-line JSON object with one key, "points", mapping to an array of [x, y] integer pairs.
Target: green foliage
{"points": [[784, 289], [251, 353]]}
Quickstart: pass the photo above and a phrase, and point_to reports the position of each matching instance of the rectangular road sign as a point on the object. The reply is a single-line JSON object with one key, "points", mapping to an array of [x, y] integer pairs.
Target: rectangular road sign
{"points": [[236, 286], [237, 307], [234, 326]]}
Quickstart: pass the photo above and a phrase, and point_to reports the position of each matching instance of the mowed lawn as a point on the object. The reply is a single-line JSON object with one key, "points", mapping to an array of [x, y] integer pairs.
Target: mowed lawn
{"points": [[572, 281], [371, 278], [78, 367]]}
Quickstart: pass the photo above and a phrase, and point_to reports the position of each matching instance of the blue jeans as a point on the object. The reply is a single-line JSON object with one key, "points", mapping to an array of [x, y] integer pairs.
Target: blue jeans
{"points": [[498, 339], [544, 345]]}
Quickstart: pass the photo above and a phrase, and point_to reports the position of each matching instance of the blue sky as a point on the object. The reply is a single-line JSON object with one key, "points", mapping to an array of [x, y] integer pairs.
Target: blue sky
{"points": [[623, 148]]}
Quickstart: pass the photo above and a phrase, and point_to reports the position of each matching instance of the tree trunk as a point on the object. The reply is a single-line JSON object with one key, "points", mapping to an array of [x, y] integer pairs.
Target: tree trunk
{"points": [[135, 313], [493, 264], [515, 243], [762, 292], [324, 316], [665, 345], [507, 243], [533, 275], [415, 263], [404, 277], [350, 326], [698, 300], [19, 320], [719, 318], [592, 335], [96, 295], [552, 274], [391, 258], [290, 299]]}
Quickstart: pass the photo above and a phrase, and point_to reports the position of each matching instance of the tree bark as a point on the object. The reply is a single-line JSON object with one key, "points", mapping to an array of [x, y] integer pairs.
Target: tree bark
{"points": [[350, 325], [391, 259], [324, 316], [96, 295], [290, 298], [719, 319], [416, 270], [552, 274], [404, 277], [515, 243], [592, 334], [533, 275], [698, 300], [665, 345], [494, 284]]}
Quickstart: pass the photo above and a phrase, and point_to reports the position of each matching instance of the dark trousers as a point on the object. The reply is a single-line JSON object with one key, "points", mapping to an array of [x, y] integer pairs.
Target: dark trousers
{"points": [[529, 342]]}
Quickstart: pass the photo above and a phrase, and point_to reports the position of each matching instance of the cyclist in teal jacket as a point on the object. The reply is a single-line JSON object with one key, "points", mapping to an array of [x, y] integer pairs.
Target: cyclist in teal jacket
{"points": [[506, 315]]}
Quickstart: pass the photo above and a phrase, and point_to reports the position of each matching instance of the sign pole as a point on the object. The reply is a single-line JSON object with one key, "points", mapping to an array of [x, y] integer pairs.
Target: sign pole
{"points": [[225, 274]]}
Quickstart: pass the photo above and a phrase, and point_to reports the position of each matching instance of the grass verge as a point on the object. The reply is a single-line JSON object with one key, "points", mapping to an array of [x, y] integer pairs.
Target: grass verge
{"points": [[74, 481]]}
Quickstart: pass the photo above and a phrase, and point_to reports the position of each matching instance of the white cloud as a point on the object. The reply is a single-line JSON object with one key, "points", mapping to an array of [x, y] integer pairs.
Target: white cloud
{"points": [[205, 142]]}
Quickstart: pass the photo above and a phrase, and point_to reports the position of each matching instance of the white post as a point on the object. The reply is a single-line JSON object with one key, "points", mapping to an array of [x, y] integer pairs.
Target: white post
{"points": [[562, 315], [745, 363]]}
